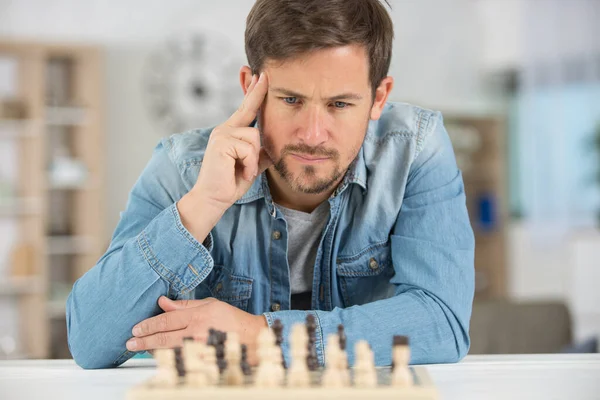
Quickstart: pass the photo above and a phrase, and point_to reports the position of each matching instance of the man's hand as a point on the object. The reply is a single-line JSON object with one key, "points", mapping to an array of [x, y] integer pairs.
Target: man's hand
{"points": [[183, 318], [232, 160]]}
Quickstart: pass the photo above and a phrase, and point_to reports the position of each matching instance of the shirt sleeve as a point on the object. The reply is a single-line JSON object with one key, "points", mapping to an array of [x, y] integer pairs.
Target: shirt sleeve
{"points": [[151, 254], [433, 248]]}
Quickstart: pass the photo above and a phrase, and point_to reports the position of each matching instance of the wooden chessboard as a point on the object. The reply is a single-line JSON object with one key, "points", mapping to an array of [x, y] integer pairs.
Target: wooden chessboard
{"points": [[423, 389]]}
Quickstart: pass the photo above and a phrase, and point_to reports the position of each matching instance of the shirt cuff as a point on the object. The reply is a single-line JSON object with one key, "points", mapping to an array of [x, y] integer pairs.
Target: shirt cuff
{"points": [[172, 251], [288, 319]]}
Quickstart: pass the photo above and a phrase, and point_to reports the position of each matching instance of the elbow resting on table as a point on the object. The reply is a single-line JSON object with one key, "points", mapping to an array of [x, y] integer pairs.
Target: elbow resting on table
{"points": [[87, 349]]}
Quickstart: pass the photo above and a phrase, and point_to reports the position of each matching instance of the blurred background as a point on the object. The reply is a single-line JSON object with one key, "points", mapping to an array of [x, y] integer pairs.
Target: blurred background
{"points": [[88, 88]]}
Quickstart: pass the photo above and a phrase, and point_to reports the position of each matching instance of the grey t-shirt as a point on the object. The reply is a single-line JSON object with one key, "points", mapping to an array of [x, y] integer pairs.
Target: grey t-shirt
{"points": [[304, 235]]}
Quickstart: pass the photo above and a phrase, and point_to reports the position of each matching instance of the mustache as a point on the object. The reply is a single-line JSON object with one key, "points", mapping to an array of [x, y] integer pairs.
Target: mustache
{"points": [[308, 150]]}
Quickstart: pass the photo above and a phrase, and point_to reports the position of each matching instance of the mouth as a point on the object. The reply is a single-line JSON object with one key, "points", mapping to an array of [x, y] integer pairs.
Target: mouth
{"points": [[309, 159]]}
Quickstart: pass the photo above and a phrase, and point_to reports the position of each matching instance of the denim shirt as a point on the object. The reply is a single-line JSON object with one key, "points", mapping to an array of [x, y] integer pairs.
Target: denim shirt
{"points": [[396, 256]]}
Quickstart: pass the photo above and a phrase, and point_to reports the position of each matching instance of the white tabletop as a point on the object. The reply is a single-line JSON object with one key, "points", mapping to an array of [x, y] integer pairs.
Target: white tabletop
{"points": [[562, 376]]}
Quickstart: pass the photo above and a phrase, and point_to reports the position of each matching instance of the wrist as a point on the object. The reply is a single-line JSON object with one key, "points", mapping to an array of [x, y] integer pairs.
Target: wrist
{"points": [[198, 215]]}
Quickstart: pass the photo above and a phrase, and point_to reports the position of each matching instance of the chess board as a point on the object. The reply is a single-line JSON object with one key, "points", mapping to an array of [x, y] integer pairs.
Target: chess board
{"points": [[422, 389]]}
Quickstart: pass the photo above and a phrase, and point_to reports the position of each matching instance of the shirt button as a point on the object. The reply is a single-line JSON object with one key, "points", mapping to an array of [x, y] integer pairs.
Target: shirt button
{"points": [[276, 235], [219, 286], [373, 264], [275, 307]]}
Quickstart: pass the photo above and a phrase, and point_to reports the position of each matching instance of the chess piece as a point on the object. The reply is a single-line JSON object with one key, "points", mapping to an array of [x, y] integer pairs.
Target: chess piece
{"points": [[268, 372], [233, 375], [401, 375], [179, 363], [221, 338], [333, 375], [342, 336], [278, 331], [193, 353], [298, 374], [365, 375], [166, 369], [211, 370], [246, 369], [212, 337], [343, 356], [311, 359]]}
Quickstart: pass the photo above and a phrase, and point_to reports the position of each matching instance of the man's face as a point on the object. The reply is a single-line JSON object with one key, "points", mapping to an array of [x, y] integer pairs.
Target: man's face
{"points": [[315, 116]]}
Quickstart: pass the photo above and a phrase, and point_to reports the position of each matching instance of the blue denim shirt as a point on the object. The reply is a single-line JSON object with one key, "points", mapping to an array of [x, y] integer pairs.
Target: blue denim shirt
{"points": [[396, 256]]}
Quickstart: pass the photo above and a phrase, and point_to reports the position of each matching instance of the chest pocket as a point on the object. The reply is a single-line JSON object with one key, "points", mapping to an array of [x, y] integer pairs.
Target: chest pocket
{"points": [[365, 276], [223, 285]]}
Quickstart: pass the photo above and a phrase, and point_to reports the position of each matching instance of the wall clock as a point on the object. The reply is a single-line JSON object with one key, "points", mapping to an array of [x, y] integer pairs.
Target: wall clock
{"points": [[192, 81]]}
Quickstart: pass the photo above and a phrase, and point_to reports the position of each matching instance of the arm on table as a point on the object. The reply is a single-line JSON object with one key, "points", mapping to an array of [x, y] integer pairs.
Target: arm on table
{"points": [[151, 254]]}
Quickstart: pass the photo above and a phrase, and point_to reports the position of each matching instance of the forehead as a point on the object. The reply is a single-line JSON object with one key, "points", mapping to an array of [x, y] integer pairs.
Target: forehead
{"points": [[334, 69]]}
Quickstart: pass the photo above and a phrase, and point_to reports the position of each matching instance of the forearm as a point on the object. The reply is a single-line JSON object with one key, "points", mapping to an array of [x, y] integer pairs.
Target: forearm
{"points": [[436, 335], [122, 289]]}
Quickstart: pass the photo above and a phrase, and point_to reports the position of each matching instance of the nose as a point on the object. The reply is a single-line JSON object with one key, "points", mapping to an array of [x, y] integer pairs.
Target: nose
{"points": [[314, 132]]}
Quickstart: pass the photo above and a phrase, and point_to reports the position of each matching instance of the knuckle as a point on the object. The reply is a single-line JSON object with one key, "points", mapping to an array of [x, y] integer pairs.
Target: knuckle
{"points": [[163, 323], [161, 339]]}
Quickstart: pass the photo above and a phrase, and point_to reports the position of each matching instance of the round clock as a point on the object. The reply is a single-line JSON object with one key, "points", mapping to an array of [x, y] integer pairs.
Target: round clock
{"points": [[192, 81]]}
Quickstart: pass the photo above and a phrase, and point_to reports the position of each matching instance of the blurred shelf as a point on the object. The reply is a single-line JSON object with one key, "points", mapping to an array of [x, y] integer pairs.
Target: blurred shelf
{"points": [[11, 129], [66, 116], [56, 308], [69, 245], [20, 285], [20, 207]]}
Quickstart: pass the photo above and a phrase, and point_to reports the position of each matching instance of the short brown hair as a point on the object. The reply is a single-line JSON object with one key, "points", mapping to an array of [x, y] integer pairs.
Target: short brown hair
{"points": [[283, 29]]}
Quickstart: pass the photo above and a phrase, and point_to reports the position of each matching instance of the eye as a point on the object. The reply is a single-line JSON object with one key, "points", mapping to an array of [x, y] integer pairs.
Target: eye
{"points": [[340, 104], [290, 100]]}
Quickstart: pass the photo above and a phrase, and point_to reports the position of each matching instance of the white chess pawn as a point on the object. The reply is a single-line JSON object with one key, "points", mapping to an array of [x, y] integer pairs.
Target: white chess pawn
{"points": [[211, 369], [267, 373], [401, 375], [333, 376], [166, 374], [233, 354], [298, 374], [365, 374], [193, 357]]}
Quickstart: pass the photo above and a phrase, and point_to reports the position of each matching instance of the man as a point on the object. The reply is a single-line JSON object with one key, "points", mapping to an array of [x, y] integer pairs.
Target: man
{"points": [[315, 197]]}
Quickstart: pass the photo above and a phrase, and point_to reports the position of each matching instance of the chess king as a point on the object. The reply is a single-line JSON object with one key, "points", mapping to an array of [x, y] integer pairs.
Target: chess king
{"points": [[318, 196]]}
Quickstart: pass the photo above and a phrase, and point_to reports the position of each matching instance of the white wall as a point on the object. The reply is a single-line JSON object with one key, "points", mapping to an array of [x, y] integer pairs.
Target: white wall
{"points": [[436, 59]]}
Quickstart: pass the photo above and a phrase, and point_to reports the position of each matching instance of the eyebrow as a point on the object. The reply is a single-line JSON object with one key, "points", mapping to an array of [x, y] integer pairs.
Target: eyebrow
{"points": [[291, 93]]}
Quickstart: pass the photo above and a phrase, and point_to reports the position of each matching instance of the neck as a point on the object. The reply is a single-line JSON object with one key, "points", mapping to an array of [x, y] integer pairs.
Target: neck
{"points": [[283, 194]]}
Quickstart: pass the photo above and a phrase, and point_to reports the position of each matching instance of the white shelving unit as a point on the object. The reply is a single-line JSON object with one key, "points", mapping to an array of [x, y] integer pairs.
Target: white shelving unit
{"points": [[59, 219]]}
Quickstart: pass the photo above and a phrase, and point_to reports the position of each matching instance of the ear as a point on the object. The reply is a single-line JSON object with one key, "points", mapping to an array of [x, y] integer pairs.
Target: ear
{"points": [[245, 78], [381, 96]]}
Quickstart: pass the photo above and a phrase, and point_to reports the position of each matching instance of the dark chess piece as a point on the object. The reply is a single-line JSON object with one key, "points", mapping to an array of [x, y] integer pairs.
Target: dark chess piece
{"points": [[221, 338], [179, 365], [398, 340], [311, 359], [342, 336], [244, 361], [212, 337], [278, 330]]}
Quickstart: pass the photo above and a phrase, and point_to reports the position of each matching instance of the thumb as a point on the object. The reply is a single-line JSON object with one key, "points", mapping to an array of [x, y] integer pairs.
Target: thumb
{"points": [[171, 305]]}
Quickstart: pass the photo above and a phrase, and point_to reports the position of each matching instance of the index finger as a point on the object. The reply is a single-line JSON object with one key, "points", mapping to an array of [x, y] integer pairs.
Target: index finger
{"points": [[169, 321], [247, 111]]}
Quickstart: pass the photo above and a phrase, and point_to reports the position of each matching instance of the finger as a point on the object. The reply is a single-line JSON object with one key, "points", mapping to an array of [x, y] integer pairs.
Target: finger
{"points": [[245, 154], [160, 340], [250, 135], [171, 305], [247, 111], [169, 321]]}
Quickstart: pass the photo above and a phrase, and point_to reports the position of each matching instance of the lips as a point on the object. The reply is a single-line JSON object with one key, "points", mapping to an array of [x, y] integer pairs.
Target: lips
{"points": [[309, 158]]}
